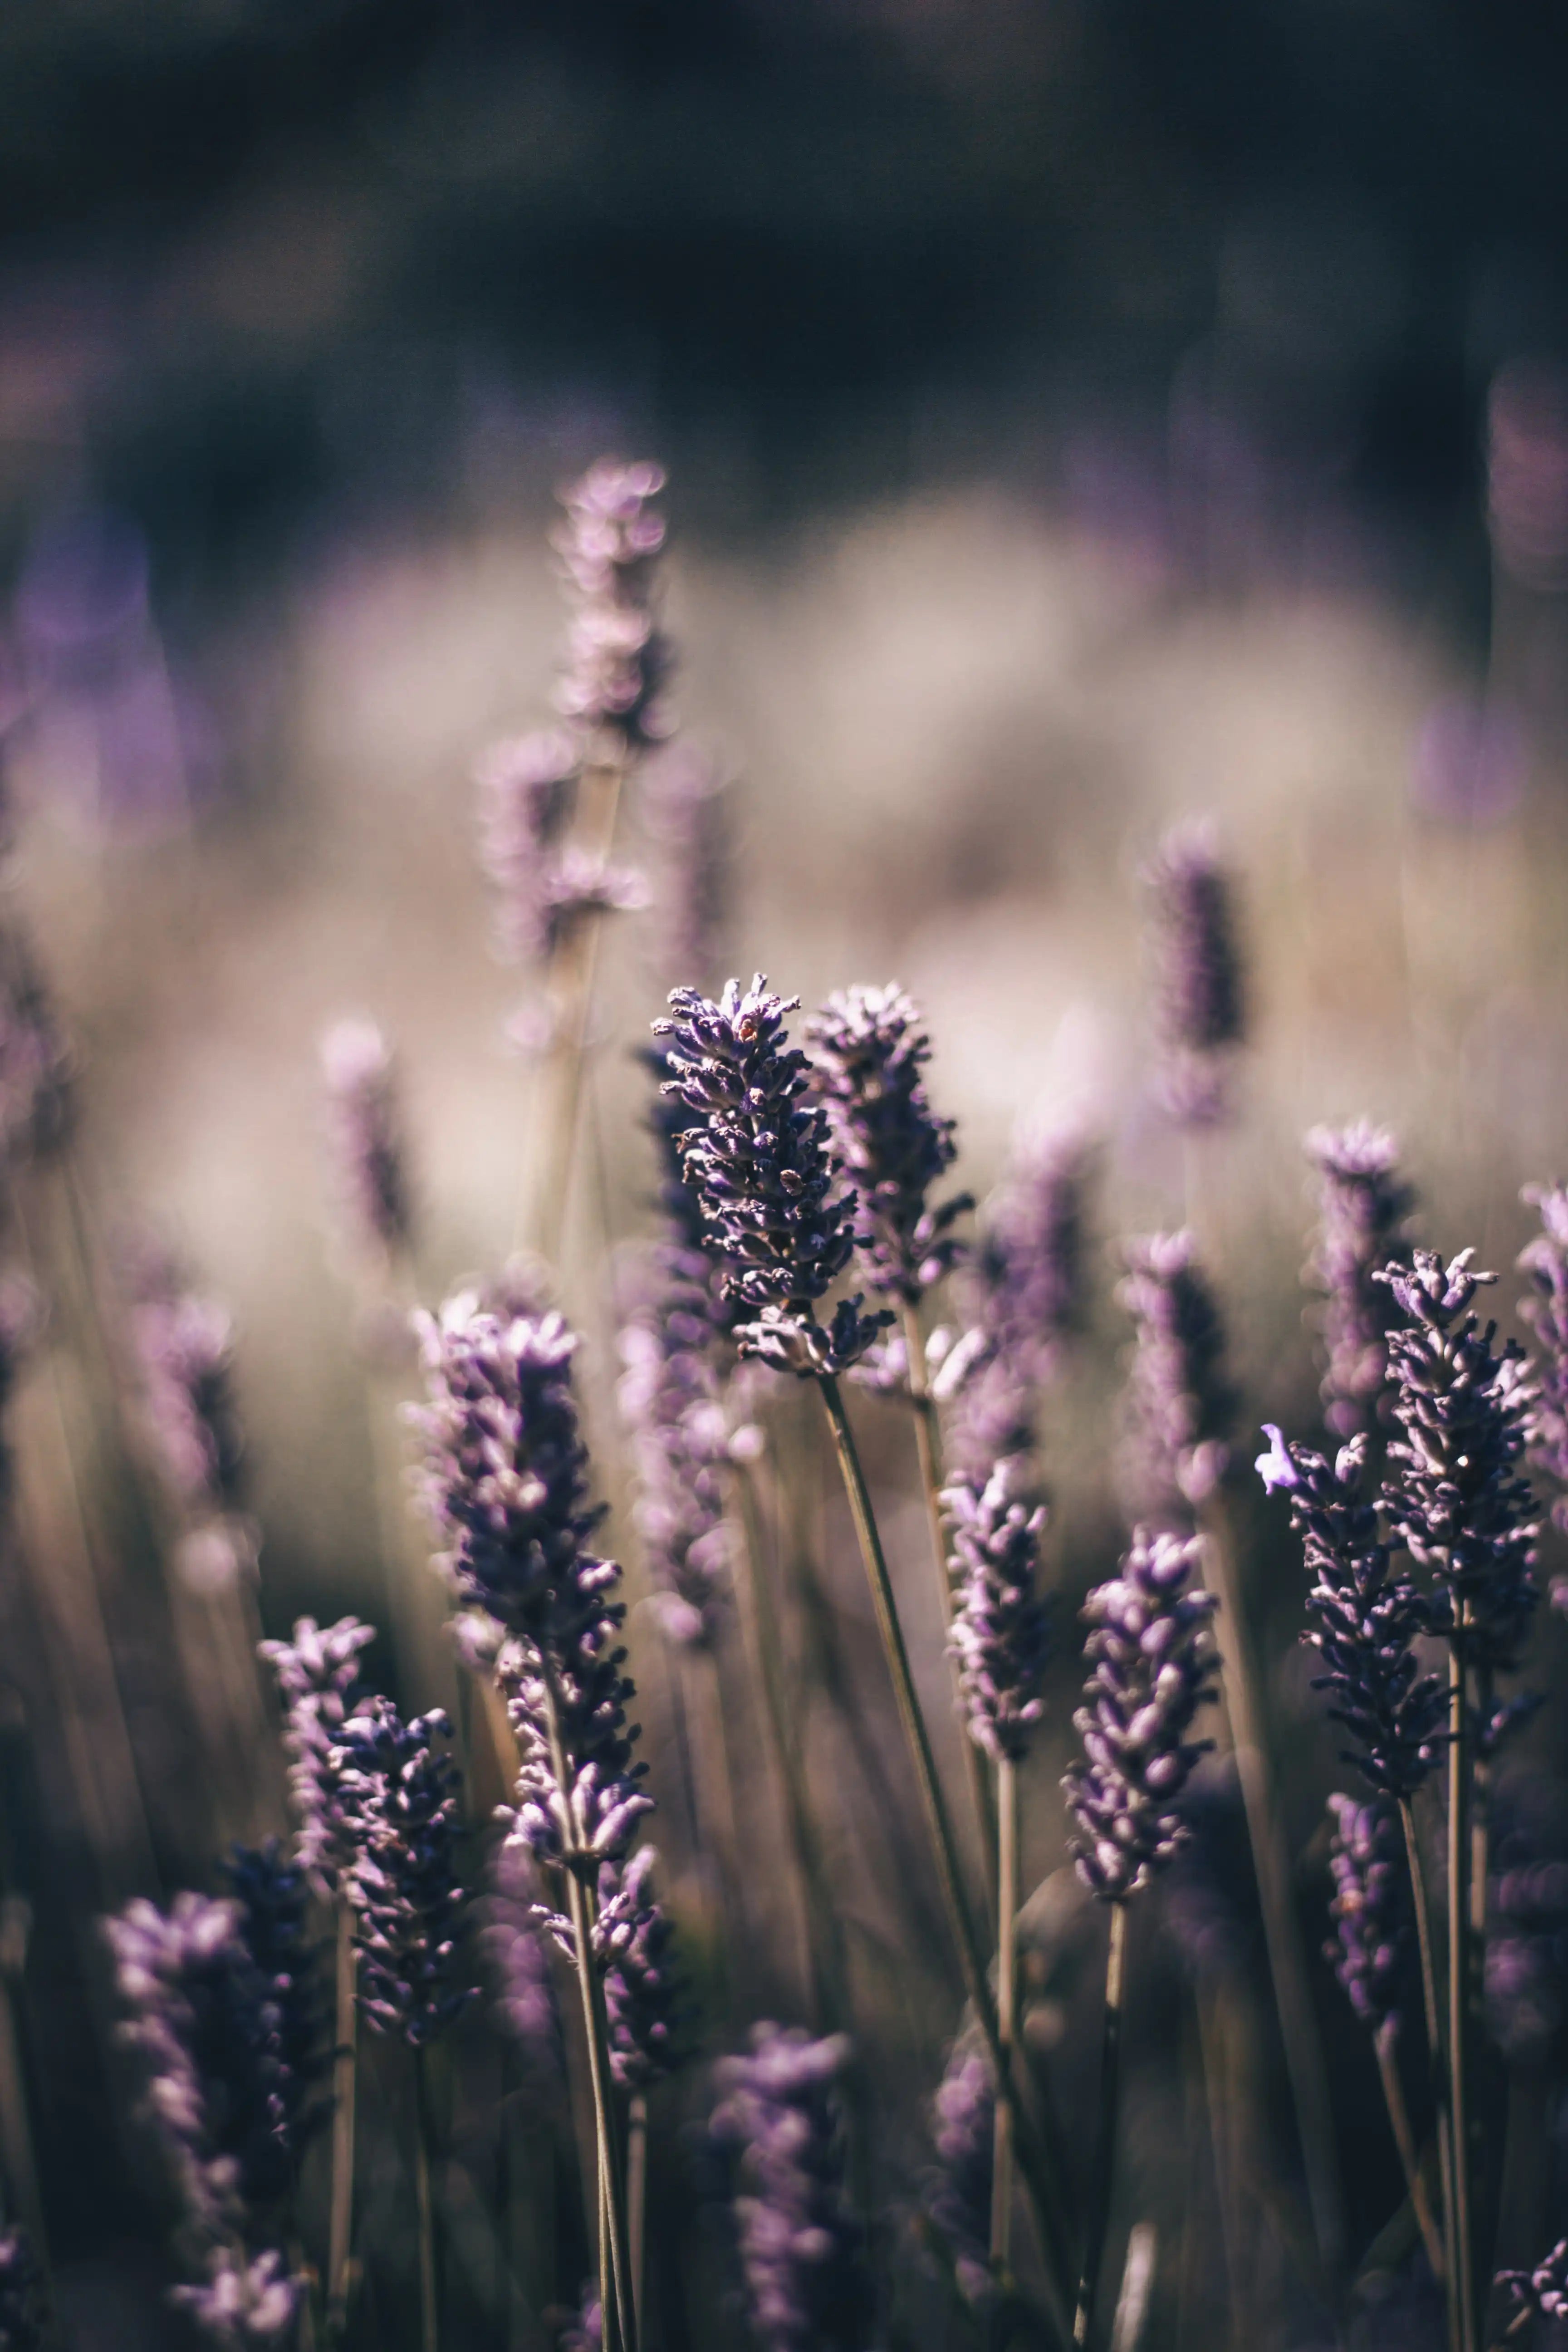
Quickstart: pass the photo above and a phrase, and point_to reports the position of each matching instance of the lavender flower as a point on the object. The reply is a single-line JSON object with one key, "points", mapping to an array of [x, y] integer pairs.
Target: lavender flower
{"points": [[1370, 1952], [525, 789], [518, 1958], [617, 657], [671, 1401], [1369, 1616], [370, 1160], [989, 1402], [868, 1053], [587, 2333], [800, 2248], [397, 1793], [1454, 1499], [634, 1943], [1542, 2291], [957, 2194], [687, 810], [1364, 1207], [316, 1671], [1179, 1403], [183, 1349], [1030, 1265], [1209, 1903], [1200, 998], [1545, 1261], [24, 2323], [271, 1895], [1000, 1636], [760, 1165], [1151, 1659], [244, 2306]]}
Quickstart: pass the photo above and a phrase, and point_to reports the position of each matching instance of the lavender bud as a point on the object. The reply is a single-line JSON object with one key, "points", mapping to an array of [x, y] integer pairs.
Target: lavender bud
{"points": [[999, 1637], [244, 2306], [525, 789], [315, 1672], [616, 658], [1542, 2291], [687, 810], [24, 2317], [957, 2194], [670, 1401], [370, 1162], [759, 1166], [868, 1053], [398, 1796], [1465, 1413], [1152, 1661], [1368, 1616], [1363, 1209], [525, 1997], [1370, 1952], [1545, 1261], [1200, 1008], [1179, 1403], [800, 2248], [183, 1350], [634, 1944]]}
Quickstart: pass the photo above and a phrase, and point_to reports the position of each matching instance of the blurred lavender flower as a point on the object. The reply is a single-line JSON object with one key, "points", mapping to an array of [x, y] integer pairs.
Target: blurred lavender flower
{"points": [[24, 2321], [1000, 1636], [761, 1167], [587, 2333], [520, 1964], [316, 1671], [957, 2193], [1526, 1970], [672, 1404], [370, 1160], [1209, 1899], [1200, 997], [1452, 1495], [687, 810], [244, 2306], [800, 2248], [1545, 1261], [1369, 1616], [1179, 1403], [181, 1347], [989, 1403], [633, 1942], [616, 658], [1542, 2291], [397, 1791], [1370, 1952], [525, 787], [867, 1054], [1152, 1661], [1363, 1208], [36, 1104], [271, 1895], [1030, 1267]]}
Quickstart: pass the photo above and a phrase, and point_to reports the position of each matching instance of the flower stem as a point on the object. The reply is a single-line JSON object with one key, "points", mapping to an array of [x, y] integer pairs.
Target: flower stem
{"points": [[637, 2196], [1043, 2205], [1404, 2140], [429, 2315], [1460, 2250], [1007, 2004], [1105, 2142], [1439, 2071], [340, 2231], [928, 1443]]}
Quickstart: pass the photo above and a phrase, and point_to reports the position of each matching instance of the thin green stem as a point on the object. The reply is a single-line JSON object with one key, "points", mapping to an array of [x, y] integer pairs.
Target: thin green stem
{"points": [[429, 2310], [1461, 2252], [339, 2227], [637, 2196], [1404, 2140], [1105, 2139], [1006, 2005], [1434, 2055]]}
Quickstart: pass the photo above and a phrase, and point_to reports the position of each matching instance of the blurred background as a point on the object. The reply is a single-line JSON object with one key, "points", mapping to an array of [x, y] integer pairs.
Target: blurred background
{"points": [[1077, 417]]}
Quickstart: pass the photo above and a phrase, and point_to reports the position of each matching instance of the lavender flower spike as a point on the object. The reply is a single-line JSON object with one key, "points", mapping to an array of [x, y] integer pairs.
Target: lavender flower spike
{"points": [[1152, 1662], [1370, 1952], [1542, 2291], [616, 658], [1545, 1261], [670, 1401], [634, 1943], [686, 809], [957, 2197], [867, 1055], [316, 1671], [1000, 1636], [1363, 1209], [1200, 1002], [1369, 1616], [1179, 1403], [370, 1160], [400, 1809], [800, 2248], [760, 1165]]}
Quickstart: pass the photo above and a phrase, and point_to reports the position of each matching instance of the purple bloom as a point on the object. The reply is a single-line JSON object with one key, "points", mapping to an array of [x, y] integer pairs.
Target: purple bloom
{"points": [[1151, 1660], [1545, 1261], [868, 1053], [272, 1895], [1545, 2290], [957, 2194], [1370, 1951], [369, 1161], [243, 2305], [1179, 1403], [1200, 998], [617, 657], [759, 1162], [1209, 1903], [1364, 1207], [587, 2333], [800, 2247], [672, 1402], [1452, 1492], [24, 2318], [183, 1350], [398, 1794], [525, 789], [687, 810], [1000, 1634], [634, 1943], [316, 1671], [525, 1998], [1368, 1617]]}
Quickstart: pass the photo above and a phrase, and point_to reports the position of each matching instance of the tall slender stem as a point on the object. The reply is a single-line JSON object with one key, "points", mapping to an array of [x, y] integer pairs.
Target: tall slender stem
{"points": [[1007, 2004], [429, 2310], [340, 2229], [1105, 2141], [1043, 2205], [1461, 2251], [1436, 2066], [1404, 2140], [928, 1444], [636, 2194]]}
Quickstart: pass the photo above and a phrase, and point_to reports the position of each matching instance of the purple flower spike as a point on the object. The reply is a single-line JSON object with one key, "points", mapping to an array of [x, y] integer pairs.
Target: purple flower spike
{"points": [[1179, 1403], [525, 787], [316, 1671], [1363, 1209], [800, 2247], [686, 808], [671, 1401], [634, 1943], [1545, 1261], [1152, 1663], [867, 1055], [1200, 998], [616, 658], [520, 1971], [1542, 2291], [759, 1163], [957, 2197], [1370, 1949], [244, 2306], [1368, 1617], [1001, 1635], [1452, 1492], [370, 1162], [183, 1350], [398, 1793]]}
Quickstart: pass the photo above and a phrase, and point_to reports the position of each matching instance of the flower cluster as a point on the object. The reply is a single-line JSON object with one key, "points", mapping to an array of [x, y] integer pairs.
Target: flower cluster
{"points": [[1542, 2291], [1368, 1616], [868, 1053], [1179, 1403], [397, 1791], [1545, 1261], [635, 1944], [1153, 1664], [1000, 1636], [1370, 1952], [671, 1400], [1526, 1965], [800, 2247], [316, 1671], [1200, 999], [1363, 1208], [616, 658], [183, 1350], [271, 1894], [957, 2194], [525, 1997], [1464, 1411], [543, 883], [370, 1164], [758, 1160]]}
